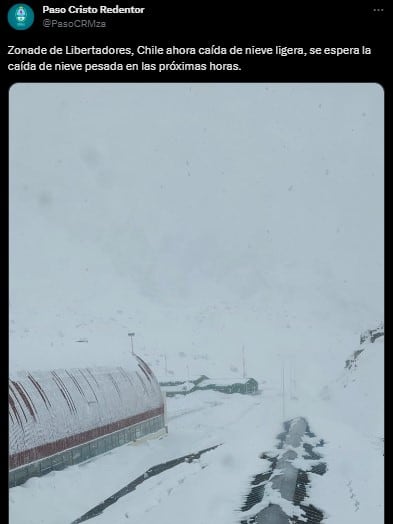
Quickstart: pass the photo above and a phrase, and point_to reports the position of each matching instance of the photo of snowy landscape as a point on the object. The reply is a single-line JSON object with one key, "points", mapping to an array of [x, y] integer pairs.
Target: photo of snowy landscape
{"points": [[196, 303]]}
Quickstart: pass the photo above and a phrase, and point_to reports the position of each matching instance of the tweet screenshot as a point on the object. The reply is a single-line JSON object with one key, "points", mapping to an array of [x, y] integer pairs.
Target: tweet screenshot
{"points": [[195, 231]]}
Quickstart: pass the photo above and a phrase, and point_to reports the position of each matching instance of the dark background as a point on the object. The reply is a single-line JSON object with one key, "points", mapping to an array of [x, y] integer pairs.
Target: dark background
{"points": [[327, 25]]}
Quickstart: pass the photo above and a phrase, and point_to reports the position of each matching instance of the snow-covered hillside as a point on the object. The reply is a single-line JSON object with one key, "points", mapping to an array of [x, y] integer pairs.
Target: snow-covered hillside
{"points": [[201, 217], [358, 393]]}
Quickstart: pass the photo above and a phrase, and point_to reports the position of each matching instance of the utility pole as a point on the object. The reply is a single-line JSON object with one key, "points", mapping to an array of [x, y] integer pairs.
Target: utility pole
{"points": [[294, 386], [244, 363], [283, 390], [293, 380], [166, 368], [131, 335]]}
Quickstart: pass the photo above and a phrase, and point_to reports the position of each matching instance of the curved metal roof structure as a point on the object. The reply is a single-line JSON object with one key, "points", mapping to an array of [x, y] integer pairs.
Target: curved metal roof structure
{"points": [[51, 411]]}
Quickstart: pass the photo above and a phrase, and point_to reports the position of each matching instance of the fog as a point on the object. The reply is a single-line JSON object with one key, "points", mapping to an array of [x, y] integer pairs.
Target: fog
{"points": [[202, 217]]}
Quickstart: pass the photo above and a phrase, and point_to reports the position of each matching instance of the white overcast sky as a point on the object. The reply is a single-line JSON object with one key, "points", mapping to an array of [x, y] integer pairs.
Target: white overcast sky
{"points": [[205, 216]]}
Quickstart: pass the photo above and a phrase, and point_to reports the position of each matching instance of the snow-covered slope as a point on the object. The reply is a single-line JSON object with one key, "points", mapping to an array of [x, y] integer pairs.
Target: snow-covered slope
{"points": [[201, 217], [358, 393]]}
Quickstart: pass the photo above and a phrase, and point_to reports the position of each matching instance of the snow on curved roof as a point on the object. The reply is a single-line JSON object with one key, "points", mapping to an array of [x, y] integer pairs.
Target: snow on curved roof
{"points": [[47, 406]]}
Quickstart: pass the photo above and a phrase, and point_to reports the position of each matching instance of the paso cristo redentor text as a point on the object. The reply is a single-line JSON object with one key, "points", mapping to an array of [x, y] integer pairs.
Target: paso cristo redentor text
{"points": [[84, 10]]}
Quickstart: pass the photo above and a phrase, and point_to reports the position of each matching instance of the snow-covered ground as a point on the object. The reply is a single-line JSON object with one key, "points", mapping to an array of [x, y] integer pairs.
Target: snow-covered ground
{"points": [[212, 489]]}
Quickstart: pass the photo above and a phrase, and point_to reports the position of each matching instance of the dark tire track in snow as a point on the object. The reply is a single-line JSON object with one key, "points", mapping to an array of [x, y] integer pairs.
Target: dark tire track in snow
{"points": [[287, 481], [151, 472]]}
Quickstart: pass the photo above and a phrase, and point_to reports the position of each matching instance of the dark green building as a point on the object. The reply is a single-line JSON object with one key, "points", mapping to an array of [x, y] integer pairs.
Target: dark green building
{"points": [[244, 386]]}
